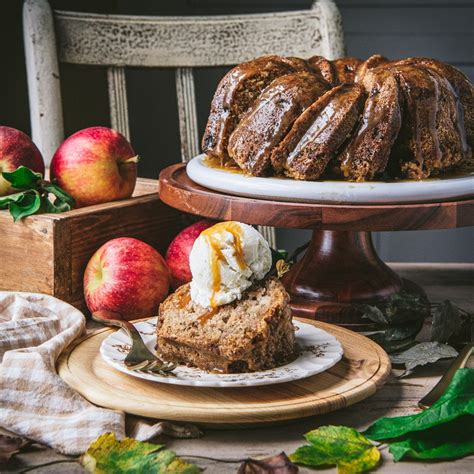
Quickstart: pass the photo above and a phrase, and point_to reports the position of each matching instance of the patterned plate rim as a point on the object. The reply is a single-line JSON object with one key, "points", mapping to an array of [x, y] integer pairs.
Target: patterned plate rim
{"points": [[248, 379]]}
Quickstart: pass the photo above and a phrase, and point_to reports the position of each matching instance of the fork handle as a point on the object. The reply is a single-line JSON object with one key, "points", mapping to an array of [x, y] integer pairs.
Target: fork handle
{"points": [[110, 318], [445, 380]]}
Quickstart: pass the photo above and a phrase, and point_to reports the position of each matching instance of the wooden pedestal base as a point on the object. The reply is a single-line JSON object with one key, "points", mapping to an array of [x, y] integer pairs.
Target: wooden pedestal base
{"points": [[339, 270]]}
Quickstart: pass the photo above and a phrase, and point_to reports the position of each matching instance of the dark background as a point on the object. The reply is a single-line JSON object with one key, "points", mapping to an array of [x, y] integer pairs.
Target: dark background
{"points": [[395, 28]]}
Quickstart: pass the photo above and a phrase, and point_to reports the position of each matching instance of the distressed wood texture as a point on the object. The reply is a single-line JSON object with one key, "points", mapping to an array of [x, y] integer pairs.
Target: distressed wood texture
{"points": [[116, 40], [188, 124], [46, 113], [118, 100], [58, 247]]}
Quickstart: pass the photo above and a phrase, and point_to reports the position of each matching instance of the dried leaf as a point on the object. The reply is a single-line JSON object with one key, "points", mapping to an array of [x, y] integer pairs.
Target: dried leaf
{"points": [[400, 308], [422, 354], [282, 267], [279, 464], [397, 338], [341, 446], [10, 445], [446, 321], [128, 456], [404, 307], [179, 431], [373, 313], [392, 346]]}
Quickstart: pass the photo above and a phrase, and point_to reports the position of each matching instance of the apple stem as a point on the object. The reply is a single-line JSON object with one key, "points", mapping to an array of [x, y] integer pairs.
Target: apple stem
{"points": [[133, 159]]}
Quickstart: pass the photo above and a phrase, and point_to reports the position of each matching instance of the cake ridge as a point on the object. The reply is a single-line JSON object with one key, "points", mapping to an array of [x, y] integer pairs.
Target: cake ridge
{"points": [[408, 118]]}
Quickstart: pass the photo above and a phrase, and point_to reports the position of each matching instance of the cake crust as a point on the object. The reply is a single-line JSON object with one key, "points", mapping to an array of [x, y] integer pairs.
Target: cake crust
{"points": [[367, 151], [236, 92], [271, 116], [319, 132]]}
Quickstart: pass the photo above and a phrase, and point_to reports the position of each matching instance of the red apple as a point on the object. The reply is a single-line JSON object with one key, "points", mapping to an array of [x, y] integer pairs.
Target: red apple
{"points": [[95, 165], [128, 277], [177, 255], [17, 149]]}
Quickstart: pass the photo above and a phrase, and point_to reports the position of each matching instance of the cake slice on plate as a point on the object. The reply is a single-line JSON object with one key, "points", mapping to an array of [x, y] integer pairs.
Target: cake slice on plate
{"points": [[232, 317], [250, 334]]}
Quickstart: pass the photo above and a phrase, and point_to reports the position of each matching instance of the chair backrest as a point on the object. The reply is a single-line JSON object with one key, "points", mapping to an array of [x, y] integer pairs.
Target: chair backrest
{"points": [[120, 41]]}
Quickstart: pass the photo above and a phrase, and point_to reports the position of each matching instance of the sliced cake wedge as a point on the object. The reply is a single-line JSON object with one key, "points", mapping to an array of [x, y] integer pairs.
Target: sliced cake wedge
{"points": [[251, 334]]}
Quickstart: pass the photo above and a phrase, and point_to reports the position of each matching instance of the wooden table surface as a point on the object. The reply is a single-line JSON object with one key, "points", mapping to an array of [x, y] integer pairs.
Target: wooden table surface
{"points": [[397, 397]]}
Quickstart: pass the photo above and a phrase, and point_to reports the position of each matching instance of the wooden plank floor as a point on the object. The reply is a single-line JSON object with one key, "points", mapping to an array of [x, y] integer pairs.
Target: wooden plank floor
{"points": [[397, 397]]}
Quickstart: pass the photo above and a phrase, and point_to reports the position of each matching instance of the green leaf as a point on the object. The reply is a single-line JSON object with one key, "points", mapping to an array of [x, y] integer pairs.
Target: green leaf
{"points": [[26, 206], [62, 197], [447, 441], [456, 401], [6, 200], [341, 446], [57, 206], [23, 178], [278, 255], [422, 354], [446, 321], [108, 455], [34, 198]]}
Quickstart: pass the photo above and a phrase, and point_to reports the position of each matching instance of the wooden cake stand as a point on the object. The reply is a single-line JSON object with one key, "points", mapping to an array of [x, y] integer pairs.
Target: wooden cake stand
{"points": [[341, 267]]}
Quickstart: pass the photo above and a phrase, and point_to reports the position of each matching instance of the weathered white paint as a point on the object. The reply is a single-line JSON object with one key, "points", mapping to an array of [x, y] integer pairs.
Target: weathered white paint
{"points": [[117, 41], [42, 69], [188, 125], [331, 30], [191, 41], [118, 100]]}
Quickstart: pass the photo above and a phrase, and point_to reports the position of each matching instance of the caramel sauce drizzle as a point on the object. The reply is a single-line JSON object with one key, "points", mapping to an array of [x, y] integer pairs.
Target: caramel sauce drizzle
{"points": [[216, 163], [217, 257], [184, 300], [204, 318]]}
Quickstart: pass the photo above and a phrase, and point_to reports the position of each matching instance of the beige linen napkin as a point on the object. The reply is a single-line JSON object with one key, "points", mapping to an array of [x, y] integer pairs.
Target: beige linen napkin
{"points": [[34, 401]]}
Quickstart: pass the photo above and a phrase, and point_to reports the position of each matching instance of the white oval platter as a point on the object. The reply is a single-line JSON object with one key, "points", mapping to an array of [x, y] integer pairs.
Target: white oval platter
{"points": [[318, 351], [335, 192]]}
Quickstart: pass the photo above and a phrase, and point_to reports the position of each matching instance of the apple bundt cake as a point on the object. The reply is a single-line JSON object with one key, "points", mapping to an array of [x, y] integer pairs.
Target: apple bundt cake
{"points": [[347, 118]]}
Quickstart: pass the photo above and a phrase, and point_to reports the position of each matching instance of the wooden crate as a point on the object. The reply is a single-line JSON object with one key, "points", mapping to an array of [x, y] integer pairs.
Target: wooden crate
{"points": [[48, 253]]}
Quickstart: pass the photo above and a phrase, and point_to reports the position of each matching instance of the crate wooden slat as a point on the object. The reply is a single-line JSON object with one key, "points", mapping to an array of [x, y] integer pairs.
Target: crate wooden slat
{"points": [[48, 253]]}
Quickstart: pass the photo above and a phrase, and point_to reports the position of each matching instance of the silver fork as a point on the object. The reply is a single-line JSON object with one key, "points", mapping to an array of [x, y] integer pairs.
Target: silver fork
{"points": [[139, 358]]}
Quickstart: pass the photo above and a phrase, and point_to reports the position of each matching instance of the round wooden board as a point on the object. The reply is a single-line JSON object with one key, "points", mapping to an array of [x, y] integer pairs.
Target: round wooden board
{"points": [[179, 191], [363, 369]]}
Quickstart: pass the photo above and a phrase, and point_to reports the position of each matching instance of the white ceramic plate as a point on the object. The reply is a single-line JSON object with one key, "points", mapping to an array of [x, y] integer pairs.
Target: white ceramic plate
{"points": [[319, 351], [370, 192]]}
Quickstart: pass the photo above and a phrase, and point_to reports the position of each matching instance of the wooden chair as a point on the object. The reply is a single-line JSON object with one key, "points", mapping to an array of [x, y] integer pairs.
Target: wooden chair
{"points": [[183, 43]]}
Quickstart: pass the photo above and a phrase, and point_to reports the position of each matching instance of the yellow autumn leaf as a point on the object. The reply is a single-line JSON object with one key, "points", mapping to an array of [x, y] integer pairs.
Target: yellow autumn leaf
{"points": [[107, 455], [339, 446]]}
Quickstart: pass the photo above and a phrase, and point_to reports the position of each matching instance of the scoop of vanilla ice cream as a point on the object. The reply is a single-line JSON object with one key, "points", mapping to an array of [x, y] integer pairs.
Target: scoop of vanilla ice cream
{"points": [[225, 260]]}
